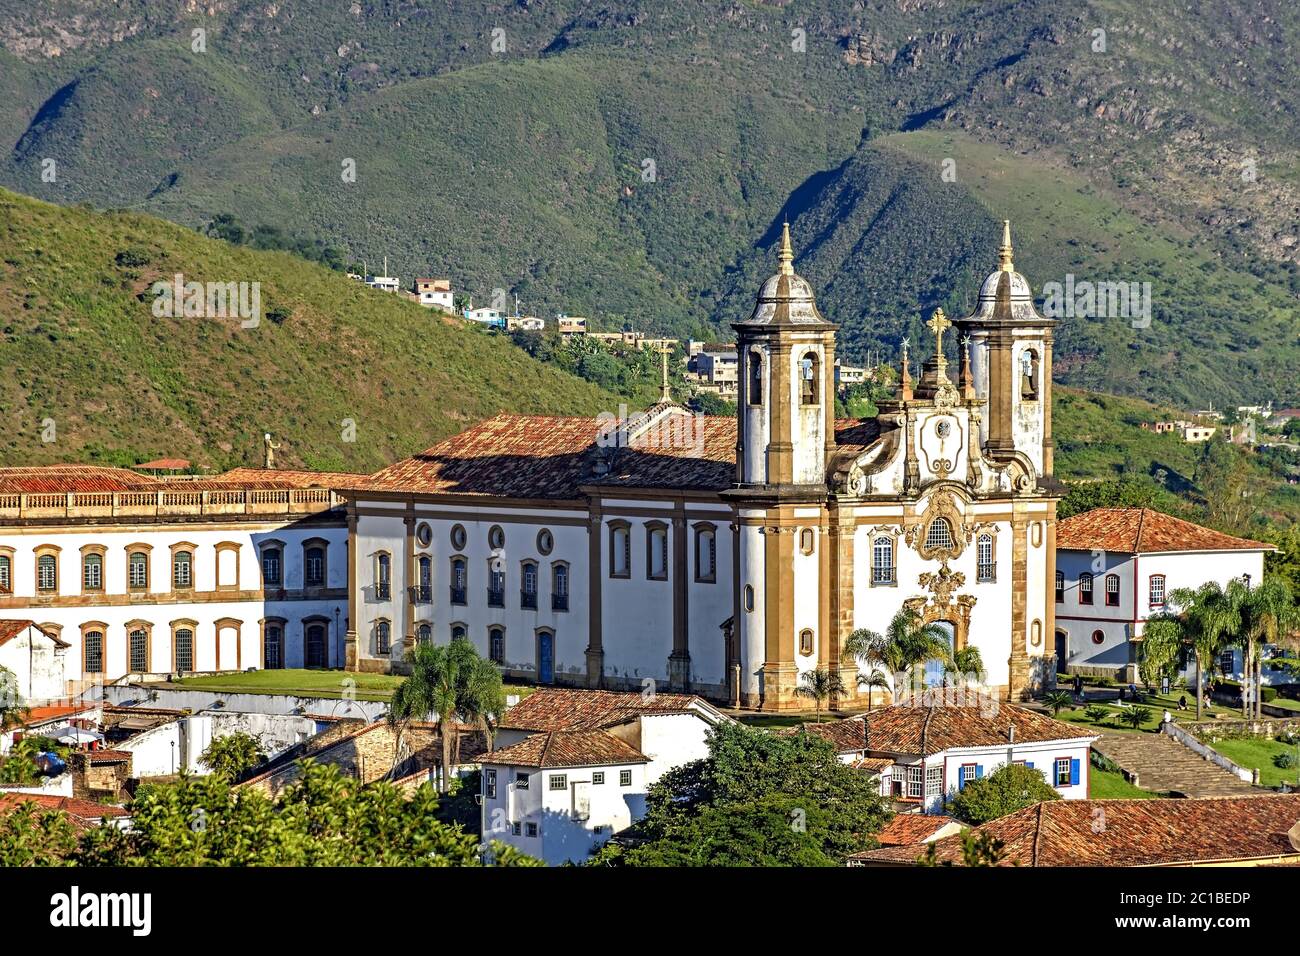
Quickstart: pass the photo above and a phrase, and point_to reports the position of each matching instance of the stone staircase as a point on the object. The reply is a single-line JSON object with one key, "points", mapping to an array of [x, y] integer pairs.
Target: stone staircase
{"points": [[1163, 764]]}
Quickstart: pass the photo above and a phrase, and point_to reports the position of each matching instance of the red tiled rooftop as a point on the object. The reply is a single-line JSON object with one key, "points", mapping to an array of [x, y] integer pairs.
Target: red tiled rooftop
{"points": [[276, 478], [165, 464], [566, 748], [1143, 531], [61, 479], [40, 715], [533, 456], [922, 730], [1133, 833], [908, 829], [86, 809], [563, 709]]}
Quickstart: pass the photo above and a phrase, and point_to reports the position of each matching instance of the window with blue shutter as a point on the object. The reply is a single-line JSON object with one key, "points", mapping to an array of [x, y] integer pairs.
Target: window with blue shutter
{"points": [[979, 771], [1074, 772]]}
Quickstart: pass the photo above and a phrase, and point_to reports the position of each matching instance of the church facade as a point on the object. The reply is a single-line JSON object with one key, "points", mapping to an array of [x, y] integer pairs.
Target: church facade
{"points": [[728, 557]]}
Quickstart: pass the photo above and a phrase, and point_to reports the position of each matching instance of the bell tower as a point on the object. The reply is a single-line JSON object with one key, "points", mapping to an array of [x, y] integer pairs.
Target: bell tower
{"points": [[1009, 349], [785, 438]]}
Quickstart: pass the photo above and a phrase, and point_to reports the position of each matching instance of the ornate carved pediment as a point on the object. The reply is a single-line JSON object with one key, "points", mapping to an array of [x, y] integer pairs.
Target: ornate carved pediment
{"points": [[942, 583], [943, 506]]}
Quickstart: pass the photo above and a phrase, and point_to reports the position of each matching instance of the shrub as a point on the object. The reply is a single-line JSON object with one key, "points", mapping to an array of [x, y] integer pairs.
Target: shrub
{"points": [[1096, 713], [1285, 760], [1009, 788]]}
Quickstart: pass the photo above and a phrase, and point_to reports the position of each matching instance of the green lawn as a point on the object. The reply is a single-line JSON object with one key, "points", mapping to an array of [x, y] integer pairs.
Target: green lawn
{"points": [[1157, 704], [1252, 752], [1108, 785], [306, 683]]}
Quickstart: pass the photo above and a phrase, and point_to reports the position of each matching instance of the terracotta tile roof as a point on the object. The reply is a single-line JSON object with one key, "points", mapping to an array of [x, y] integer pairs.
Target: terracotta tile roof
{"points": [[873, 764], [1143, 531], [108, 756], [908, 829], [566, 748], [563, 709], [59, 479], [73, 806], [902, 728], [11, 628], [165, 464], [533, 456], [1134, 833], [274, 479], [42, 715]]}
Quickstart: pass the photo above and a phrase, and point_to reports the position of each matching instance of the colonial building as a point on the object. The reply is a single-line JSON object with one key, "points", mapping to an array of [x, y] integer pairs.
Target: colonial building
{"points": [[925, 750], [1117, 568], [129, 574], [729, 556]]}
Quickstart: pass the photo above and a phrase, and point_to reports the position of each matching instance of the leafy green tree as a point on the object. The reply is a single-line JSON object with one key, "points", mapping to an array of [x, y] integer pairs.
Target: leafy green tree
{"points": [[820, 685], [977, 849], [907, 643], [1009, 788], [33, 836], [710, 403], [1096, 713], [967, 661], [323, 819], [232, 756], [12, 709], [1057, 700], [1164, 638], [790, 792]]}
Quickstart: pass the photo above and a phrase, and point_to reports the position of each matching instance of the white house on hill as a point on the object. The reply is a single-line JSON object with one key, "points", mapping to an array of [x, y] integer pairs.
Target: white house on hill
{"points": [[925, 750], [1115, 568], [573, 767]]}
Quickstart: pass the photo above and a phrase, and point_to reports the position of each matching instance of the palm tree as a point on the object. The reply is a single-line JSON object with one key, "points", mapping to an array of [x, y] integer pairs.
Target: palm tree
{"points": [[480, 698], [876, 679], [967, 661], [430, 689], [1267, 613], [908, 642], [1208, 617], [820, 684], [1057, 700], [1163, 639]]}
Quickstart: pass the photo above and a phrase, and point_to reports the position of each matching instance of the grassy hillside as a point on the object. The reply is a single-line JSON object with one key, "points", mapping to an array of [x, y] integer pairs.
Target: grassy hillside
{"points": [[81, 347], [519, 165]]}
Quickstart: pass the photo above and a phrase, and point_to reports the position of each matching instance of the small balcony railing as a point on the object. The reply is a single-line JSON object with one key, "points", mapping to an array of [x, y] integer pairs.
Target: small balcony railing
{"points": [[528, 600], [457, 595], [559, 602]]}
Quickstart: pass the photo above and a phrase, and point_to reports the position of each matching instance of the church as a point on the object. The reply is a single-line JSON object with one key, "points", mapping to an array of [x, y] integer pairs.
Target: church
{"points": [[727, 557]]}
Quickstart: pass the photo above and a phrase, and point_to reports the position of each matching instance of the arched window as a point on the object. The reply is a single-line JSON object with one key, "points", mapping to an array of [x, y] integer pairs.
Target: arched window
{"points": [[807, 540], [1085, 588], [939, 535], [458, 632], [92, 572], [496, 582], [313, 567], [559, 586], [620, 550], [1156, 590], [809, 392], [459, 580], [182, 570], [138, 644], [6, 574], [496, 645], [138, 571], [805, 641], [1029, 372], [273, 646], [183, 650], [47, 573], [882, 561], [92, 652], [528, 585], [986, 569], [755, 378], [272, 567], [1060, 587], [383, 637], [425, 588], [656, 557], [706, 554], [1112, 590], [383, 576], [424, 633], [749, 597]]}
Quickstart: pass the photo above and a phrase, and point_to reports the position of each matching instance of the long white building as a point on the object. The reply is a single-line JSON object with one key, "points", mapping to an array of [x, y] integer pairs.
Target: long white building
{"points": [[137, 575]]}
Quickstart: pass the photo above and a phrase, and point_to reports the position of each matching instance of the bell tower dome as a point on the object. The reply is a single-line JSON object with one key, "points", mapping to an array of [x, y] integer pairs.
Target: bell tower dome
{"points": [[786, 406]]}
